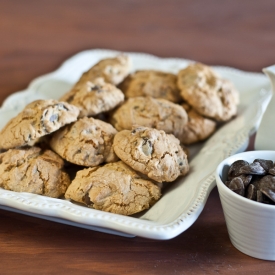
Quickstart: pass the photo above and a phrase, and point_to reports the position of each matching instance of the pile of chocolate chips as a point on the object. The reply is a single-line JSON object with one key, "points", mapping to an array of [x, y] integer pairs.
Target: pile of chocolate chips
{"points": [[255, 181]]}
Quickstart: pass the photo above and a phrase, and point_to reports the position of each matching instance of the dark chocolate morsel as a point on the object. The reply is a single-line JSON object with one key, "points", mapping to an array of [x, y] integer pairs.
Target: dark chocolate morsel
{"points": [[254, 168], [237, 186], [266, 164], [256, 181], [251, 192], [267, 186], [87, 200], [147, 146], [246, 179], [235, 167]]}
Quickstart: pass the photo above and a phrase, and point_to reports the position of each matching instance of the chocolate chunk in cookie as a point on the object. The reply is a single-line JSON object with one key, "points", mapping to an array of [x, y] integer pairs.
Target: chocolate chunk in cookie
{"points": [[86, 142], [152, 152], [34, 171], [207, 93], [38, 119], [114, 187]]}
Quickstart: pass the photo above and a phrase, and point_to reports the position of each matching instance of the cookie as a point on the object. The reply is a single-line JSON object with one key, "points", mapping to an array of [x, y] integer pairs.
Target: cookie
{"points": [[152, 83], [93, 98], [112, 70], [86, 142], [207, 93], [114, 187], [151, 152], [198, 128], [38, 119], [34, 171], [150, 112]]}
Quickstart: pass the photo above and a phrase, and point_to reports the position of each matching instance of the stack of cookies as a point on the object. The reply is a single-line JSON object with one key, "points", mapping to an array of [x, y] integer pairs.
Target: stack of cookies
{"points": [[126, 134]]}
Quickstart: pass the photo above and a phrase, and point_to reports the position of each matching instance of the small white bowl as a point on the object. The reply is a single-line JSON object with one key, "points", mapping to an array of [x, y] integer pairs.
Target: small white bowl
{"points": [[250, 224]]}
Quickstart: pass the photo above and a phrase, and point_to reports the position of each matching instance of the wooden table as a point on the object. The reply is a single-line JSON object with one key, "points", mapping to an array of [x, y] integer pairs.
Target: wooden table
{"points": [[37, 36]]}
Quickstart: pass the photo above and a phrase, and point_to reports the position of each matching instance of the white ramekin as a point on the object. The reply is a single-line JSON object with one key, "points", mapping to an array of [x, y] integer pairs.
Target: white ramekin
{"points": [[250, 224]]}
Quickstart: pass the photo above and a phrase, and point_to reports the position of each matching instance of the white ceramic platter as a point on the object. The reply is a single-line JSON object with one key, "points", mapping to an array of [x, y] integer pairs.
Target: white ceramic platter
{"points": [[183, 200]]}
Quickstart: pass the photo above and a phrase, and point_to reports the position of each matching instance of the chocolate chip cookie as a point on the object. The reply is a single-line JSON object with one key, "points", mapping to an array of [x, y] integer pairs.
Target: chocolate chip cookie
{"points": [[94, 97], [38, 119], [152, 152], [86, 142], [34, 171], [114, 187], [207, 93], [112, 70], [150, 112], [152, 83]]}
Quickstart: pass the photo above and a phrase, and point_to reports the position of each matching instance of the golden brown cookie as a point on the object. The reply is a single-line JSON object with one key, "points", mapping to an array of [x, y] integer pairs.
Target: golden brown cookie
{"points": [[152, 152], [114, 187], [93, 98], [38, 119], [207, 93], [112, 70], [197, 128], [152, 83], [150, 112], [34, 171], [86, 142]]}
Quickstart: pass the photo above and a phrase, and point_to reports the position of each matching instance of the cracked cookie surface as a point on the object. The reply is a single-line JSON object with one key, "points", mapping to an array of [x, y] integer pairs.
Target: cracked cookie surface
{"points": [[94, 97], [150, 112], [39, 118], [86, 142], [152, 152], [152, 83], [114, 187], [197, 128], [207, 93], [34, 171]]}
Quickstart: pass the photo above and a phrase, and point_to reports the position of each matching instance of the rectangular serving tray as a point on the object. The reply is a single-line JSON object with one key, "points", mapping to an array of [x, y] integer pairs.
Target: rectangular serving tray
{"points": [[184, 199]]}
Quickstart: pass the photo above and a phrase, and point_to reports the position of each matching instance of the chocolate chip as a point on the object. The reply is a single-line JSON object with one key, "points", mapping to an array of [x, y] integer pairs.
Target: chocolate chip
{"points": [[266, 164], [256, 181], [237, 186], [254, 168], [267, 186], [61, 106], [251, 192], [246, 179], [54, 117], [87, 200], [95, 88], [147, 146], [235, 167]]}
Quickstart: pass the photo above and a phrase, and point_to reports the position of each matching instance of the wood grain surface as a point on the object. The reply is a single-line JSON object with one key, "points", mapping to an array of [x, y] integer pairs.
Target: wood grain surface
{"points": [[37, 36]]}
